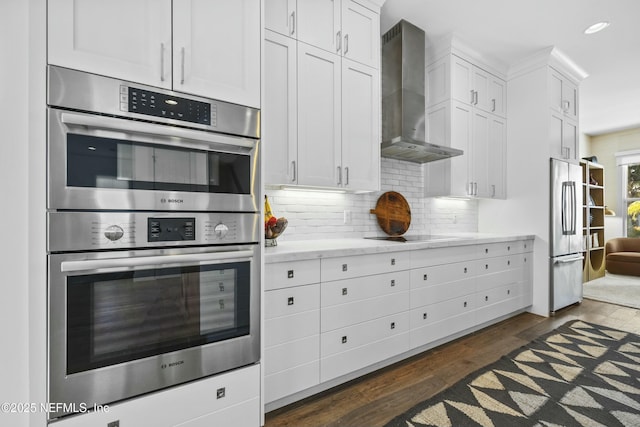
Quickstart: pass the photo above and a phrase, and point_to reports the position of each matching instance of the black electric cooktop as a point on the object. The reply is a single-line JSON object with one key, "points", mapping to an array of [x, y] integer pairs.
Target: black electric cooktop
{"points": [[415, 238]]}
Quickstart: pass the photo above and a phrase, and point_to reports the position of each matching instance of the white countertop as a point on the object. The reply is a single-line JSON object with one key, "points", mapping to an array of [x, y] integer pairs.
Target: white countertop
{"points": [[326, 248]]}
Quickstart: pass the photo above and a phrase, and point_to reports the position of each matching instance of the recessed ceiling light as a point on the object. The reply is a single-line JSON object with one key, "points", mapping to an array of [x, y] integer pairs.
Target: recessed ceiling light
{"points": [[596, 27]]}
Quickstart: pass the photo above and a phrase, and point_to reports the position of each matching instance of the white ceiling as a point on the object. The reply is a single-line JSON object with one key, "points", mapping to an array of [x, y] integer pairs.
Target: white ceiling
{"points": [[510, 30]]}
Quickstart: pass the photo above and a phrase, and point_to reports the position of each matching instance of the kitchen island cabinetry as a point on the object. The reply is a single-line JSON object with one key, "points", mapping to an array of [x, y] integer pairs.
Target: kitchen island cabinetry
{"points": [[177, 45], [376, 308], [466, 109], [322, 121], [230, 399]]}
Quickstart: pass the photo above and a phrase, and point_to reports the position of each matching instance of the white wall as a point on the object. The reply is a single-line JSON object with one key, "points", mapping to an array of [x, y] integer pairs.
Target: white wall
{"points": [[14, 371], [320, 215]]}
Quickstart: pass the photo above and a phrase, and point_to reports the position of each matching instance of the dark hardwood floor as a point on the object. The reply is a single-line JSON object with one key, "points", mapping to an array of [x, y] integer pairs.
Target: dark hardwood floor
{"points": [[375, 399]]}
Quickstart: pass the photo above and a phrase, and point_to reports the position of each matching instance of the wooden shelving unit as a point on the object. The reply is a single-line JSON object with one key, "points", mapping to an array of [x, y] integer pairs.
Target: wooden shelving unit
{"points": [[593, 220]]}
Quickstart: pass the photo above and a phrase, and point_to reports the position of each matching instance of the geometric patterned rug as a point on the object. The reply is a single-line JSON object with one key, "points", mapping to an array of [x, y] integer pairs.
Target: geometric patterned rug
{"points": [[580, 374]]}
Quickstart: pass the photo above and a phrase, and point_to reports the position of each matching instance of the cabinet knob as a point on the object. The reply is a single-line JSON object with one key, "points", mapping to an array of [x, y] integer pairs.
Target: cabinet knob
{"points": [[424, 316], [486, 266], [290, 301], [393, 282], [508, 291], [508, 262], [344, 339], [290, 274], [344, 291], [508, 248], [393, 325], [486, 298], [465, 270], [486, 250], [424, 277], [344, 267], [465, 304], [221, 392], [393, 261]]}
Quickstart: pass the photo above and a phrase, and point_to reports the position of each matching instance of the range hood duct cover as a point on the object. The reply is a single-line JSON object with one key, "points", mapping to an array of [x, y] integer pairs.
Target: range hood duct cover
{"points": [[403, 97]]}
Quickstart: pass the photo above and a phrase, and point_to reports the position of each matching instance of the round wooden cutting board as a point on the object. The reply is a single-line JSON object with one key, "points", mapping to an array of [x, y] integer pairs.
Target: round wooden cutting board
{"points": [[393, 213]]}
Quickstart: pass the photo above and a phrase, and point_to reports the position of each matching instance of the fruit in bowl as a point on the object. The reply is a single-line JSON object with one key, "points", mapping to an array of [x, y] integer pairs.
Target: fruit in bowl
{"points": [[273, 227]]}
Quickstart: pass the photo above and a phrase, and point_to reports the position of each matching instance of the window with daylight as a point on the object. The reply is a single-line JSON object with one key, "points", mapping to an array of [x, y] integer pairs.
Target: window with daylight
{"points": [[629, 164]]}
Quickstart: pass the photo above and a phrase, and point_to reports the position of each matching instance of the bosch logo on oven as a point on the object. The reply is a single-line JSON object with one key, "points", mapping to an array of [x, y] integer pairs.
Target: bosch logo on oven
{"points": [[163, 200], [172, 364]]}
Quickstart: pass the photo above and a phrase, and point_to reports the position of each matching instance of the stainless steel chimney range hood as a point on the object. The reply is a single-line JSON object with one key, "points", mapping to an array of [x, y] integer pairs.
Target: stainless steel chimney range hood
{"points": [[403, 97]]}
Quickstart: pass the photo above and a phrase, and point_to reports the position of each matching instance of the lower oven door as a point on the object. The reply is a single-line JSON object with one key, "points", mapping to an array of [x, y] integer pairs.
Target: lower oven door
{"points": [[124, 323]]}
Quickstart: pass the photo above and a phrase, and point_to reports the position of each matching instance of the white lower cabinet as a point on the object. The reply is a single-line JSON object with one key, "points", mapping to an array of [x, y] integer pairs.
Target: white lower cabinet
{"points": [[348, 314], [232, 398]]}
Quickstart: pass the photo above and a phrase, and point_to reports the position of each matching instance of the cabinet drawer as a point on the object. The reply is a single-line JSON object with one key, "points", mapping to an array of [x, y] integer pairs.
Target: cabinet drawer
{"points": [[430, 276], [291, 354], [496, 295], [285, 383], [442, 292], [294, 273], [351, 337], [504, 248], [283, 302], [350, 361], [283, 329], [431, 332], [360, 288], [499, 302], [340, 316], [429, 257], [434, 313], [239, 405], [363, 265]]}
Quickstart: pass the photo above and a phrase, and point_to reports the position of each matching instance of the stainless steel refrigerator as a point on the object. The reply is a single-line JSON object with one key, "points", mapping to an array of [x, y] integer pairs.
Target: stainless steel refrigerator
{"points": [[566, 244]]}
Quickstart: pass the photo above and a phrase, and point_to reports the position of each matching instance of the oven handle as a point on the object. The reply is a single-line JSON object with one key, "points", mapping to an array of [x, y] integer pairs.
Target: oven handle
{"points": [[154, 261], [122, 125]]}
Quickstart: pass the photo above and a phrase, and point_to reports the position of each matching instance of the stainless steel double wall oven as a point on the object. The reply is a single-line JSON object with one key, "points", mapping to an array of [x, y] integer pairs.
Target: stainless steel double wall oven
{"points": [[153, 238]]}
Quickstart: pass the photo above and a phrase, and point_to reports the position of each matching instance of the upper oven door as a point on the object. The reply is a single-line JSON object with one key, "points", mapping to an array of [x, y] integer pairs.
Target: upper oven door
{"points": [[100, 162]]}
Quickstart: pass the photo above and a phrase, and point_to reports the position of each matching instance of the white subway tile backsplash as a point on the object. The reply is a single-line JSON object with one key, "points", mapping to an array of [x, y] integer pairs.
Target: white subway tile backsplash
{"points": [[320, 215]]}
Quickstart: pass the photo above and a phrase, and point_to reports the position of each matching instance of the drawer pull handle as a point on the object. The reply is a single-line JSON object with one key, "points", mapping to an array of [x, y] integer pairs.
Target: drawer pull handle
{"points": [[344, 267], [486, 266], [508, 248], [465, 270], [393, 325], [221, 392], [486, 298], [344, 291], [424, 316], [424, 277], [393, 261], [525, 259], [290, 301], [525, 246], [508, 262], [465, 304], [344, 339], [486, 250], [393, 282], [508, 291], [290, 274]]}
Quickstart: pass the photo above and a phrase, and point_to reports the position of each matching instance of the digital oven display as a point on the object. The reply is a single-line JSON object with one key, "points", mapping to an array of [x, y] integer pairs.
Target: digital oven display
{"points": [[171, 229]]}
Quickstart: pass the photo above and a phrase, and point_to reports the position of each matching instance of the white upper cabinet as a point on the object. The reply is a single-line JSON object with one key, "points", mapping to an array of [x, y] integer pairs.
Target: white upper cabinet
{"points": [[280, 16], [563, 95], [475, 86], [216, 49], [177, 45], [360, 126], [343, 27], [82, 35]]}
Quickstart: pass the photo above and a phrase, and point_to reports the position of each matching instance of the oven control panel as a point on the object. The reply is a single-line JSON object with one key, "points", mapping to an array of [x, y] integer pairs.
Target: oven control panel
{"points": [[150, 103], [171, 229]]}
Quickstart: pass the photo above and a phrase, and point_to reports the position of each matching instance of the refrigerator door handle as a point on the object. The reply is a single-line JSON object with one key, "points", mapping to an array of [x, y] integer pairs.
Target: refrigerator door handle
{"points": [[567, 260], [572, 230], [565, 210]]}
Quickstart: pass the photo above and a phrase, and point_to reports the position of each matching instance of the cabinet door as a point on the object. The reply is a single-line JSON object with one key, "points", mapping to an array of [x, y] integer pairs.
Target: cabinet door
{"points": [[82, 36], [570, 138], [498, 96], [319, 24], [438, 83], [360, 126], [360, 34], [319, 117], [216, 47], [563, 137], [280, 16], [497, 147], [461, 136], [462, 80], [279, 110], [563, 95], [482, 88], [480, 155]]}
